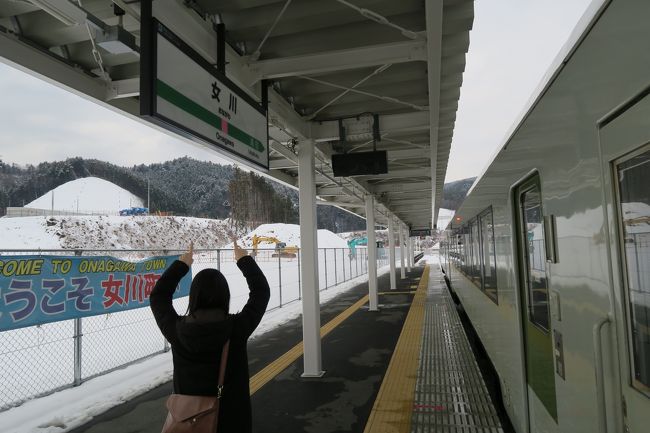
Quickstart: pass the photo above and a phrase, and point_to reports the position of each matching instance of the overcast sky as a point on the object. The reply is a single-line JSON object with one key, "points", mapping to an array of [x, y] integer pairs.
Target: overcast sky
{"points": [[512, 44]]}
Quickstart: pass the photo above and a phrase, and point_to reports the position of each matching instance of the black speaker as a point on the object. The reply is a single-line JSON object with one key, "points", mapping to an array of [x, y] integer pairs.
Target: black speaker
{"points": [[360, 163]]}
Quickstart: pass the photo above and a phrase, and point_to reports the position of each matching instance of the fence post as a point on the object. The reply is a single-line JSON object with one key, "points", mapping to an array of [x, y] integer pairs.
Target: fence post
{"points": [[77, 351], [78, 334], [280, 274], [219, 259], [325, 253], [343, 257], [356, 261], [336, 273]]}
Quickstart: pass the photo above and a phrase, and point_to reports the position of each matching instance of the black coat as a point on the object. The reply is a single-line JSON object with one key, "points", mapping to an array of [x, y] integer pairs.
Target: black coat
{"points": [[197, 341]]}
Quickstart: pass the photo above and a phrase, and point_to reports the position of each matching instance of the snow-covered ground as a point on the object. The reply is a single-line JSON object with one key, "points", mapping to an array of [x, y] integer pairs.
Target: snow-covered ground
{"points": [[111, 232], [89, 194]]}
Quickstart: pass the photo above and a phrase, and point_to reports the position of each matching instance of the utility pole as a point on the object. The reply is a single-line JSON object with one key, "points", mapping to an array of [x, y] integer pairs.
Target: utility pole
{"points": [[148, 197]]}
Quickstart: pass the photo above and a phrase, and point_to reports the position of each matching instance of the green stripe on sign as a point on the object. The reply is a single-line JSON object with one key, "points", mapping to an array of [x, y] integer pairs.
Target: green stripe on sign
{"points": [[176, 98]]}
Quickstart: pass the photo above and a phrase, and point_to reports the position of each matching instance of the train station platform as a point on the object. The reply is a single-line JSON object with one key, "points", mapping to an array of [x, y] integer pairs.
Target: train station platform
{"points": [[408, 367]]}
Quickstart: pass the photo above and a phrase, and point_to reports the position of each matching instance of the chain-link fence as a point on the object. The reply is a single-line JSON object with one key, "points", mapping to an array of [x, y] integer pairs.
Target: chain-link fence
{"points": [[39, 360]]}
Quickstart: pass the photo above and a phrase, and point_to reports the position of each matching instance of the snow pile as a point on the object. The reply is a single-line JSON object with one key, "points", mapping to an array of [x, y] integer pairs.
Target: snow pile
{"points": [[111, 232], [89, 194], [290, 234]]}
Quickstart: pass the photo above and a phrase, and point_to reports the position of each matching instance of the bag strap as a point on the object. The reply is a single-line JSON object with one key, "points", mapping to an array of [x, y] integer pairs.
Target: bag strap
{"points": [[222, 368]]}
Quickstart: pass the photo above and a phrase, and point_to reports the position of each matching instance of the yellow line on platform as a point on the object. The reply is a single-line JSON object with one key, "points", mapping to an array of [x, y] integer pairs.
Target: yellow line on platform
{"points": [[403, 292], [393, 407], [277, 366]]}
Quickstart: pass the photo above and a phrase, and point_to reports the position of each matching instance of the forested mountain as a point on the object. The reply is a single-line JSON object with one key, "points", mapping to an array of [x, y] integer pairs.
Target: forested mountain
{"points": [[454, 193], [182, 186]]}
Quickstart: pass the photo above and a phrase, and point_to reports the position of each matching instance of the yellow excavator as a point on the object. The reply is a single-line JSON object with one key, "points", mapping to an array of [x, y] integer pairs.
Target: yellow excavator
{"points": [[281, 248]]}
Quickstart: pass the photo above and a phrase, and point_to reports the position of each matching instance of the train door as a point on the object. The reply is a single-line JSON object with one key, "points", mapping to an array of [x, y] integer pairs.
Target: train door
{"points": [[535, 315], [625, 150]]}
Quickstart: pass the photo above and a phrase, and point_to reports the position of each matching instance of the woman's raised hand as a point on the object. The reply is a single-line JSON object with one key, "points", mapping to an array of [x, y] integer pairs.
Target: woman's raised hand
{"points": [[187, 257], [239, 252]]}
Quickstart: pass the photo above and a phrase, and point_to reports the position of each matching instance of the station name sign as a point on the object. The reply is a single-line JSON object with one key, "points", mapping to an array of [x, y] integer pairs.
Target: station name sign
{"points": [[183, 92]]}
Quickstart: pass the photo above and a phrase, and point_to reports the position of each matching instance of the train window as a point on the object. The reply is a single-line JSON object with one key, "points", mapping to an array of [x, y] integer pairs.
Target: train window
{"points": [[488, 255], [634, 212], [531, 202]]}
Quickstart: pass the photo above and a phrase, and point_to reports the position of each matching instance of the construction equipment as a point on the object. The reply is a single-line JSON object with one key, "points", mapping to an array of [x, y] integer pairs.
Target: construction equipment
{"points": [[354, 242], [281, 248]]}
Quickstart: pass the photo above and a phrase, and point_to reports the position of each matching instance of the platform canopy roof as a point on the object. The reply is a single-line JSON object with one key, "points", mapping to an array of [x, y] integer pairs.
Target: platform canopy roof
{"points": [[325, 60]]}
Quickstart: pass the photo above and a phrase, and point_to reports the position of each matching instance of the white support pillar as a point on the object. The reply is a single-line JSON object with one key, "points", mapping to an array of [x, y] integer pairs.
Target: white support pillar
{"points": [[411, 252], [401, 250], [372, 253], [391, 252], [309, 261]]}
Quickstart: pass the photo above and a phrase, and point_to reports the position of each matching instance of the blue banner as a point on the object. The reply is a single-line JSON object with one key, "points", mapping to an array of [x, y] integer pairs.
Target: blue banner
{"points": [[41, 289]]}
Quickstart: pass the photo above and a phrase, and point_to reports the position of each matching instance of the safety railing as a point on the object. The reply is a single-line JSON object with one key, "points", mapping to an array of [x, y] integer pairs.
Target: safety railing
{"points": [[39, 360]]}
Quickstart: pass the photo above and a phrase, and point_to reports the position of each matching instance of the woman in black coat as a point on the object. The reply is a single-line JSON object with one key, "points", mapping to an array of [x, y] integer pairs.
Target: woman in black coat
{"points": [[197, 338]]}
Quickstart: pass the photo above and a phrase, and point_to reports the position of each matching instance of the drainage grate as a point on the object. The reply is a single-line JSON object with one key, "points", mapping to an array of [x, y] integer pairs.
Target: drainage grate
{"points": [[450, 395]]}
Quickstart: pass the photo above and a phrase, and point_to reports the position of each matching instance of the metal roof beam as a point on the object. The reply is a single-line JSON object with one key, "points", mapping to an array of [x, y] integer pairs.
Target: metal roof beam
{"points": [[404, 154], [434, 20], [55, 70], [411, 172], [284, 151], [402, 187], [354, 58], [390, 123], [331, 191], [340, 203]]}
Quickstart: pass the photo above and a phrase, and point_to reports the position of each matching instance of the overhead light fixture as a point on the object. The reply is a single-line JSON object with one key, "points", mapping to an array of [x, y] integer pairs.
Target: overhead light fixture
{"points": [[63, 10]]}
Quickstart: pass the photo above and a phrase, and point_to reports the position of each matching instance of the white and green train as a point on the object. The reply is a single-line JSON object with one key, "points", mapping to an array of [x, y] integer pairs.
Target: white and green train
{"points": [[550, 252]]}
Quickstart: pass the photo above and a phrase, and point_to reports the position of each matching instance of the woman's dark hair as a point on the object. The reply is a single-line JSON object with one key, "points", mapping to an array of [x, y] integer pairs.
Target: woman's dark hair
{"points": [[209, 289]]}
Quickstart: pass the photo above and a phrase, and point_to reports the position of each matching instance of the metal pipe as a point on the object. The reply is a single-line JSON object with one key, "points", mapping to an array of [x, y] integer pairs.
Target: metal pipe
{"points": [[372, 254], [78, 334], [221, 47], [280, 275]]}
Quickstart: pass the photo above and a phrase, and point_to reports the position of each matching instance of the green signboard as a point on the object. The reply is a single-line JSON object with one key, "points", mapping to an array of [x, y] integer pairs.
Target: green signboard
{"points": [[183, 92]]}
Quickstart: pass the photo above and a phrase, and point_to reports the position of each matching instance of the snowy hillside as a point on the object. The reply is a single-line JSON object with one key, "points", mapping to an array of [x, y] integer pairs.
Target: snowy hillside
{"points": [[111, 232], [290, 233], [89, 194]]}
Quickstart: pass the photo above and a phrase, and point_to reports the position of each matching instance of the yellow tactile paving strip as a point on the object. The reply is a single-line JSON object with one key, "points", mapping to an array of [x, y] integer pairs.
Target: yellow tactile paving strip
{"points": [[277, 366], [397, 292], [393, 407]]}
